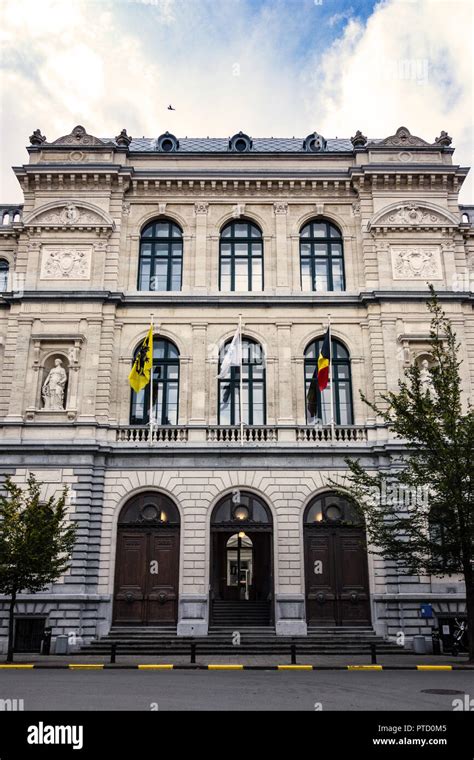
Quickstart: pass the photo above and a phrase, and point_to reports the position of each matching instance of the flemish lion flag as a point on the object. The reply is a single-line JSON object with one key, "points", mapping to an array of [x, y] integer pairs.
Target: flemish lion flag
{"points": [[320, 377], [139, 376]]}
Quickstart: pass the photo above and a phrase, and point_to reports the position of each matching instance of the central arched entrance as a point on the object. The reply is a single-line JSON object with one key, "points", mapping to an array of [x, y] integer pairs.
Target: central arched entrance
{"points": [[241, 561], [337, 579], [147, 562]]}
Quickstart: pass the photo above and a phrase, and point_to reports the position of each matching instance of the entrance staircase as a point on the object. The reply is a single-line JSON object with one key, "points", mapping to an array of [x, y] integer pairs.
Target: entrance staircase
{"points": [[257, 636]]}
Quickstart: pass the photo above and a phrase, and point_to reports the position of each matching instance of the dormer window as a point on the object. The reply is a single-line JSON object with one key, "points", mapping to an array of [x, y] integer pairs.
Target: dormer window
{"points": [[240, 143], [167, 143], [314, 143]]}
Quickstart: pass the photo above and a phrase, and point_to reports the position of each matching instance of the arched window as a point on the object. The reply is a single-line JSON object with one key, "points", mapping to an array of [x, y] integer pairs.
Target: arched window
{"points": [[321, 257], [241, 257], [4, 270], [331, 508], [161, 256], [253, 387], [165, 387], [340, 382]]}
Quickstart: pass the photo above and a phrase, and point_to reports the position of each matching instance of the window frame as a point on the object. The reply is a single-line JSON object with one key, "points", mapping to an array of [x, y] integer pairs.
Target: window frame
{"points": [[4, 274], [170, 240], [329, 257], [250, 256], [165, 363], [336, 381], [248, 382]]}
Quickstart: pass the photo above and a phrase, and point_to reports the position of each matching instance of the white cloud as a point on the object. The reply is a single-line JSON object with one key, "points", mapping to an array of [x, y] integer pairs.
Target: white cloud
{"points": [[95, 63], [410, 65]]}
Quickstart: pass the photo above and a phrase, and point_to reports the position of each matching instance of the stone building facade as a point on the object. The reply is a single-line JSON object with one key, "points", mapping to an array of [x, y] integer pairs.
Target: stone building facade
{"points": [[199, 231]]}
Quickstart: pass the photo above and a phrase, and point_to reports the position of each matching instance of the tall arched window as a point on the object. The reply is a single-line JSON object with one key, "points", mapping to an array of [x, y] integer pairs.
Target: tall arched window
{"points": [[340, 382], [161, 256], [165, 387], [241, 257], [321, 257], [4, 270], [253, 387]]}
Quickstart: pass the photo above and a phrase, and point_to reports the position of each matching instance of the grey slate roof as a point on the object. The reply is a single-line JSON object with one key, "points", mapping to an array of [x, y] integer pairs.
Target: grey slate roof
{"points": [[221, 145]]}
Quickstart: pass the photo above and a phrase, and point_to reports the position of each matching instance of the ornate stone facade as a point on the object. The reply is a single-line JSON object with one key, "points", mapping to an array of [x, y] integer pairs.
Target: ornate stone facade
{"points": [[74, 299]]}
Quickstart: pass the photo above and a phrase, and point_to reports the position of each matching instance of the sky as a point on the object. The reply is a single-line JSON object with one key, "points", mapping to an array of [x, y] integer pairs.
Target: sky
{"points": [[271, 68]]}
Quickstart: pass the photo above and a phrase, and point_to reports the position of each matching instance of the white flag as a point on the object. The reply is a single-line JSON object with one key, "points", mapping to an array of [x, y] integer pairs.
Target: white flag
{"points": [[233, 355]]}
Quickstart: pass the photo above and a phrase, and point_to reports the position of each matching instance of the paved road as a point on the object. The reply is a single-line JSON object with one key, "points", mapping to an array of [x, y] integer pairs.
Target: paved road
{"points": [[244, 690]]}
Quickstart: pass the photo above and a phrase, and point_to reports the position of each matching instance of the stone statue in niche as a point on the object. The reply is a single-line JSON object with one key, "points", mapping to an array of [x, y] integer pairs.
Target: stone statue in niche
{"points": [[53, 387], [426, 379]]}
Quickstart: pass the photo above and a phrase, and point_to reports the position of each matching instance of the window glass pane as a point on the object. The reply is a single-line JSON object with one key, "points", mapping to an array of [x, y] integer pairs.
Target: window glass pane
{"points": [[258, 371], [144, 283], [171, 411], [333, 231], [337, 275], [162, 229], [145, 249], [225, 403], [257, 404], [175, 231], [245, 406], [176, 274], [306, 280], [256, 274], [159, 347], [158, 403], [138, 405], [241, 249], [310, 352], [172, 371], [255, 232], [336, 249], [161, 275], [256, 249], [321, 275], [148, 231], [161, 249], [241, 230], [325, 406], [241, 274], [320, 249], [342, 371], [305, 231], [305, 249], [344, 404], [177, 250], [319, 229], [225, 249]]}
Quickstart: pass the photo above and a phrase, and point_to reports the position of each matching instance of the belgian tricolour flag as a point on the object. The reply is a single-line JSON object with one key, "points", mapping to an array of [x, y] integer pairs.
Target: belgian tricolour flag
{"points": [[320, 377], [139, 376]]}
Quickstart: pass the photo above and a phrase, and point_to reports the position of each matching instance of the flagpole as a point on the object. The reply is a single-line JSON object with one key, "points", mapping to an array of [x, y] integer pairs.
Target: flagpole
{"points": [[241, 385], [150, 421], [331, 378]]}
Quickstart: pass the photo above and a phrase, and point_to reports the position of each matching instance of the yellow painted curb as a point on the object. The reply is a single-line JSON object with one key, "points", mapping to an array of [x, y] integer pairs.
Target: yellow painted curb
{"points": [[365, 667], [155, 667], [225, 667], [24, 667], [434, 667], [85, 666], [295, 667]]}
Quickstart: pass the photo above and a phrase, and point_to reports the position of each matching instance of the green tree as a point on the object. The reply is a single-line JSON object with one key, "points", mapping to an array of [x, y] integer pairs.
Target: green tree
{"points": [[419, 511], [36, 541]]}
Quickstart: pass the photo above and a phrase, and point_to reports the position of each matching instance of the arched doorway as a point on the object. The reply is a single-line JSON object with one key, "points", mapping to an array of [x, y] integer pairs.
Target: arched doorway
{"points": [[147, 561], [241, 561], [337, 580]]}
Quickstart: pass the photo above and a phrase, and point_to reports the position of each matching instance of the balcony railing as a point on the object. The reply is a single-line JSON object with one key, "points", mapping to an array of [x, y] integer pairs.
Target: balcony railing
{"points": [[252, 434]]}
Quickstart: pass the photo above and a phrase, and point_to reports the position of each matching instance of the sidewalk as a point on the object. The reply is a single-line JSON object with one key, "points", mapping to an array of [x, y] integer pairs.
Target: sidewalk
{"points": [[338, 662]]}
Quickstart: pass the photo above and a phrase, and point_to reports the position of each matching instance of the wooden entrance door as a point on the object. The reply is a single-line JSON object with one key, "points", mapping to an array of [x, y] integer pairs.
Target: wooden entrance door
{"points": [[146, 577], [337, 583]]}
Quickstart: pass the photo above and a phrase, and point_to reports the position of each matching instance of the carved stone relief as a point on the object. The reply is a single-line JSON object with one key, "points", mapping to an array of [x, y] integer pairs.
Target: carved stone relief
{"points": [[416, 263], [66, 263]]}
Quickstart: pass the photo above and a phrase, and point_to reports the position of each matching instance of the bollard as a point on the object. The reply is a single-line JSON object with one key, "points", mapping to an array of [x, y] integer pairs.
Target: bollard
{"points": [[293, 654], [113, 651], [373, 653], [193, 652]]}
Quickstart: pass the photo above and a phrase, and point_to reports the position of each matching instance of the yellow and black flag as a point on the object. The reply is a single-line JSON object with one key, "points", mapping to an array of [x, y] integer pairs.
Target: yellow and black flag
{"points": [[320, 377], [139, 376]]}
